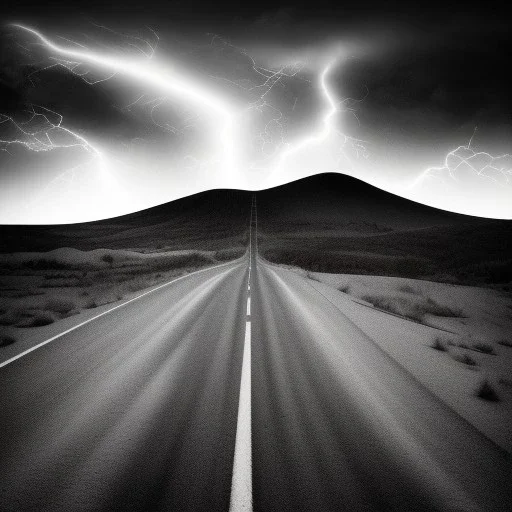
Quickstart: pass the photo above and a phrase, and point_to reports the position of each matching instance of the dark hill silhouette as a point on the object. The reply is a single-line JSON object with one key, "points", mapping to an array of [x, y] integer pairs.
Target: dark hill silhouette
{"points": [[328, 222]]}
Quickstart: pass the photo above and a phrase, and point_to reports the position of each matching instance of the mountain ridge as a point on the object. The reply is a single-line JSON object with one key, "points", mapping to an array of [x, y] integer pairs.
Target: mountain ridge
{"points": [[327, 200]]}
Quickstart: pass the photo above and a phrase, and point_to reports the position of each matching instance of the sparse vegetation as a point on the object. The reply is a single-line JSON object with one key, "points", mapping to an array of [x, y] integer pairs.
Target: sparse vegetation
{"points": [[413, 309], [6, 340], [62, 277], [312, 276], [39, 319], [465, 359], [89, 284], [484, 348], [487, 392], [346, 263], [60, 306], [439, 344], [505, 343], [434, 308], [11, 317], [108, 258], [407, 289], [481, 257], [396, 306]]}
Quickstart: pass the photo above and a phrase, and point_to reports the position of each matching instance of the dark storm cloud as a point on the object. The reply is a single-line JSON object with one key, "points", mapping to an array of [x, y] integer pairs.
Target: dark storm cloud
{"points": [[427, 73], [430, 68]]}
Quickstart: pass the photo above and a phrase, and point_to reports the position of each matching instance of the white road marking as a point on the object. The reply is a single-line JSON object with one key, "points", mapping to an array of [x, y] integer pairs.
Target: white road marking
{"points": [[241, 484], [39, 345]]}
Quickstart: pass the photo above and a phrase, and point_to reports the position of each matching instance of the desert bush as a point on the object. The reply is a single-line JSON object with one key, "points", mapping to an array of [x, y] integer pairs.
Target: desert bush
{"points": [[398, 306], [439, 344], [137, 284], [465, 359], [38, 319], [72, 312], [11, 317], [61, 306], [505, 343], [410, 308], [486, 391], [6, 340], [485, 348], [405, 288], [434, 308], [162, 264], [108, 258], [344, 288]]}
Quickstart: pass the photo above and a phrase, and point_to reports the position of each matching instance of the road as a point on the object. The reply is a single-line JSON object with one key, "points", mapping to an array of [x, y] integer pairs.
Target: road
{"points": [[240, 387]]}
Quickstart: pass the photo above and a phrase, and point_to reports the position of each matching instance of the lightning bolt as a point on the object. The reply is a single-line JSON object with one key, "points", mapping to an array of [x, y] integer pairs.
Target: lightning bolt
{"points": [[327, 127], [43, 131], [258, 84], [274, 147], [159, 77], [39, 133], [465, 158], [164, 83]]}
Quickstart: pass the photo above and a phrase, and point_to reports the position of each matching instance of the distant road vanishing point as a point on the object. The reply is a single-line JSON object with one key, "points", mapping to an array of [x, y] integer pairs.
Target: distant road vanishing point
{"points": [[238, 387]]}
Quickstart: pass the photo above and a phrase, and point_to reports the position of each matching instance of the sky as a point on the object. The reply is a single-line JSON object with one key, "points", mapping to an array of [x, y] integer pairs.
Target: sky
{"points": [[109, 108]]}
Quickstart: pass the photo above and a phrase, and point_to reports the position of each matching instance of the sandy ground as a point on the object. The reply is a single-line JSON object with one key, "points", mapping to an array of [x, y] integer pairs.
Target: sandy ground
{"points": [[45, 293], [475, 337], [41, 289]]}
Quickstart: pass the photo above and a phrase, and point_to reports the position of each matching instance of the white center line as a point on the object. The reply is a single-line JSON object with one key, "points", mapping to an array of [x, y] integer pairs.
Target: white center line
{"points": [[241, 484]]}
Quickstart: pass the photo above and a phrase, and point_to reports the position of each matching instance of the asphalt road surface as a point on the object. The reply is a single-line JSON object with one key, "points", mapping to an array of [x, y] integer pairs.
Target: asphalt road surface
{"points": [[138, 410]]}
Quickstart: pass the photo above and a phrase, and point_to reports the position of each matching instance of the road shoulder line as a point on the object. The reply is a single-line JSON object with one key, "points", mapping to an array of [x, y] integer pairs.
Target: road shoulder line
{"points": [[53, 338]]}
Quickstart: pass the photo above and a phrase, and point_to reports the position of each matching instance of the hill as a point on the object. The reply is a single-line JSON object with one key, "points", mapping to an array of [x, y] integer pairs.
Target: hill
{"points": [[334, 223], [327, 223]]}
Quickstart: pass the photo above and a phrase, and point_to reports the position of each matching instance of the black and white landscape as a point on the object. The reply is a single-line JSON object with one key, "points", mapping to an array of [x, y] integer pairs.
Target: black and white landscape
{"points": [[289, 349], [255, 256]]}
